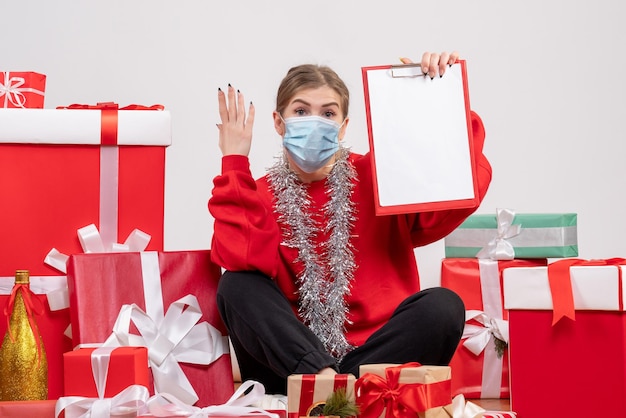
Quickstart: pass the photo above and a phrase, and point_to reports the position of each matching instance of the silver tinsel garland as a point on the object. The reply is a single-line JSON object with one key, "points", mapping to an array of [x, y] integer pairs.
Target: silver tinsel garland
{"points": [[327, 272]]}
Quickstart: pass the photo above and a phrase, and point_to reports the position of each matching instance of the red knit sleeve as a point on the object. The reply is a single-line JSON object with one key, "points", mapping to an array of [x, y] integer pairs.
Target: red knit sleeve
{"points": [[428, 227], [245, 235]]}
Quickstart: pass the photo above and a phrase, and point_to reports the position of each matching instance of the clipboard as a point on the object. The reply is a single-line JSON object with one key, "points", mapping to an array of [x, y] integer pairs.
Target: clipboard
{"points": [[420, 137]]}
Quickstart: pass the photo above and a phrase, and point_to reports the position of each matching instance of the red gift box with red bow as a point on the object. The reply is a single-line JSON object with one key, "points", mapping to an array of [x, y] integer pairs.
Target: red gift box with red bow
{"points": [[567, 338]]}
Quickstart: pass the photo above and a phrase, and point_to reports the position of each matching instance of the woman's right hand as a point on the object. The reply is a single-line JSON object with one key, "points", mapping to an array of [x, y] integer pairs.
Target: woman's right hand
{"points": [[236, 128]]}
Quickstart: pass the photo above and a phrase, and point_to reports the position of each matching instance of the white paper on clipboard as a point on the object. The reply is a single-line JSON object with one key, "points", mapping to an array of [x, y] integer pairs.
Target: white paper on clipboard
{"points": [[420, 139]]}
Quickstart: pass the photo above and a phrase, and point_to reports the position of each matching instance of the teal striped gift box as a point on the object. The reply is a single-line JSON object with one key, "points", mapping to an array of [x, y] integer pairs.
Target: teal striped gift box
{"points": [[525, 235]]}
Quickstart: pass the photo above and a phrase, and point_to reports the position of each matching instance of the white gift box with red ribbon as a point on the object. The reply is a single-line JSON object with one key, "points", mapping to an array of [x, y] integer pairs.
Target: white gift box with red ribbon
{"points": [[63, 169]]}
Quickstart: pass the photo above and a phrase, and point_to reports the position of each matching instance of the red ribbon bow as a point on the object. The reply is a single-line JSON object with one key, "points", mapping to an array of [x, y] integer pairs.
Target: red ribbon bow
{"points": [[375, 393], [561, 285], [33, 307], [108, 131]]}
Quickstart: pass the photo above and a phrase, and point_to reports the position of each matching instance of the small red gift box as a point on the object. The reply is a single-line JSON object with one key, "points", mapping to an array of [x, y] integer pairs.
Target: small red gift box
{"points": [[565, 366], [22, 89], [151, 286], [63, 169], [122, 367], [52, 323], [30, 409], [306, 391], [479, 369]]}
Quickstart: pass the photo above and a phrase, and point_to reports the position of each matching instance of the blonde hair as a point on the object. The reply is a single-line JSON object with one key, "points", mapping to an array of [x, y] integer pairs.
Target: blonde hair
{"points": [[307, 76]]}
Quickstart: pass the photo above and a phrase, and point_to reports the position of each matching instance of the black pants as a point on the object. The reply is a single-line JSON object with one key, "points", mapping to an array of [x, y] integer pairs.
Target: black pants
{"points": [[271, 342]]}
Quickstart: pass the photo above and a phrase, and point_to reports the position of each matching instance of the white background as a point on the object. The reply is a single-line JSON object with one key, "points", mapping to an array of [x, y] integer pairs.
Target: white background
{"points": [[548, 78]]}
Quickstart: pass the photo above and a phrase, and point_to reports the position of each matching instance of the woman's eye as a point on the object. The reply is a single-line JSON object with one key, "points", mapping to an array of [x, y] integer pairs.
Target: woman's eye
{"points": [[329, 114], [300, 112]]}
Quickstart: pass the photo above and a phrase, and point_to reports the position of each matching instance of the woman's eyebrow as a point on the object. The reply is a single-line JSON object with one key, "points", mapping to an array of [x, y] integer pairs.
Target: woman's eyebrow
{"points": [[304, 102]]}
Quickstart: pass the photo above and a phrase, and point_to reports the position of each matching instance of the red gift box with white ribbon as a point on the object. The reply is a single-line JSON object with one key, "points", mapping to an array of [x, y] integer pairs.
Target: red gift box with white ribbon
{"points": [[479, 368], [22, 89], [165, 301], [63, 169], [93, 372], [567, 338], [104, 382]]}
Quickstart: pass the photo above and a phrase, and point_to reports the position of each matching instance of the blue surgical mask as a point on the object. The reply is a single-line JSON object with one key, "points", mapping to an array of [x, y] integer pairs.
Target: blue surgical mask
{"points": [[311, 141]]}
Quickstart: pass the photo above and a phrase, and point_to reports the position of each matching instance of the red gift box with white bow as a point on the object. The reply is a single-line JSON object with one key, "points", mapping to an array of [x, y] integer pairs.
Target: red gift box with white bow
{"points": [[480, 368], [104, 382], [165, 301], [22, 89], [92, 373], [64, 169]]}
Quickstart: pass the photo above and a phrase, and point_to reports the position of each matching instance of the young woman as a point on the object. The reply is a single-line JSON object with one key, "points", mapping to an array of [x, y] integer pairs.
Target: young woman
{"points": [[314, 281]]}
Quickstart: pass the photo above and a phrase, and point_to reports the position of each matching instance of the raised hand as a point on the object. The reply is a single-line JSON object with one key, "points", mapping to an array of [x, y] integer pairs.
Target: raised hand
{"points": [[236, 127]]}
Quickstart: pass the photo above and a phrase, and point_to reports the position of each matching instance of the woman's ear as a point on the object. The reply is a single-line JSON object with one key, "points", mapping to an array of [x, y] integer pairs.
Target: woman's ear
{"points": [[342, 130], [279, 125]]}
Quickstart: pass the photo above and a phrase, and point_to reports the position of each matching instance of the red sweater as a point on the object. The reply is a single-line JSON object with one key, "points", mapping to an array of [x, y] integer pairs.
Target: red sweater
{"points": [[247, 237]]}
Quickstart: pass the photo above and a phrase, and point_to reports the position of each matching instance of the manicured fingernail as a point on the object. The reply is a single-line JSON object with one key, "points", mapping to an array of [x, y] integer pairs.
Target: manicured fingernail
{"points": [[219, 89], [238, 91]]}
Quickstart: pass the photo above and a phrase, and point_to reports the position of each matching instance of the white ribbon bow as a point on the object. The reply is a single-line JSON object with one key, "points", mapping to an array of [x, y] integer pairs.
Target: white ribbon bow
{"points": [[54, 287], [477, 337], [167, 405], [177, 337], [499, 248], [131, 400], [12, 90], [91, 242], [463, 409]]}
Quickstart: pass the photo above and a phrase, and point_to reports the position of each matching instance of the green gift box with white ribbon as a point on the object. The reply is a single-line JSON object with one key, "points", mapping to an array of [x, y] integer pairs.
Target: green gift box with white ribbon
{"points": [[507, 235]]}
